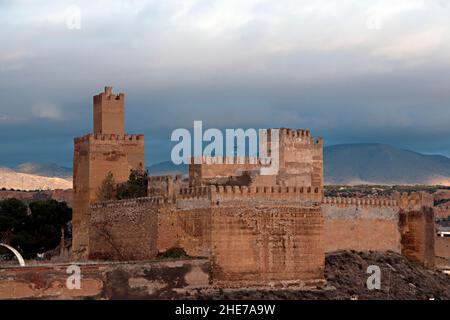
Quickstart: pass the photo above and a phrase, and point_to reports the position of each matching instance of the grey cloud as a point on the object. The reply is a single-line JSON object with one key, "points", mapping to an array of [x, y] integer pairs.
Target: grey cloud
{"points": [[246, 64]]}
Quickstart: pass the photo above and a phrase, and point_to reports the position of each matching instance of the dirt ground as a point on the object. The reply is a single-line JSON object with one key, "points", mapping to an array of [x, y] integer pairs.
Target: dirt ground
{"points": [[346, 275]]}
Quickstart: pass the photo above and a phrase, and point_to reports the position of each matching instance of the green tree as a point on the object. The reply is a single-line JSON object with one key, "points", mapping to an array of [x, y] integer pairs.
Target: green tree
{"points": [[13, 221], [48, 217], [107, 191], [135, 187], [35, 230], [13, 215]]}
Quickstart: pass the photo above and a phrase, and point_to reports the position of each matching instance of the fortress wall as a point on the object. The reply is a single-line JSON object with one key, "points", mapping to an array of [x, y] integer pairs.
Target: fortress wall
{"points": [[186, 227], [124, 230], [403, 223], [94, 157], [265, 245], [361, 227]]}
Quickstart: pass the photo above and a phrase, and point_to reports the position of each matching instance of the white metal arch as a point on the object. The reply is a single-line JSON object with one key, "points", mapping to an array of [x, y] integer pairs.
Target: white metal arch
{"points": [[16, 253]]}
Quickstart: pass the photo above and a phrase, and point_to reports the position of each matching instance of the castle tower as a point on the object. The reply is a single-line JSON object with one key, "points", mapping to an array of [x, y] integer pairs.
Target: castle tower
{"points": [[300, 164], [109, 113], [301, 159], [108, 149]]}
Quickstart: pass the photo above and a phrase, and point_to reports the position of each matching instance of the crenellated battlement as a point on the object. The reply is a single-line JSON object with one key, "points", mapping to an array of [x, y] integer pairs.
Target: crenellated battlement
{"points": [[128, 202], [108, 95], [248, 192], [230, 160], [195, 192], [221, 195], [110, 137], [294, 133], [374, 202], [245, 190], [414, 201], [298, 136], [165, 178]]}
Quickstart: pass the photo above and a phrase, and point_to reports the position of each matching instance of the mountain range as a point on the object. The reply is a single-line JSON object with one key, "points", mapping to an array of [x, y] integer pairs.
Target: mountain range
{"points": [[373, 163], [350, 164], [365, 163], [44, 169]]}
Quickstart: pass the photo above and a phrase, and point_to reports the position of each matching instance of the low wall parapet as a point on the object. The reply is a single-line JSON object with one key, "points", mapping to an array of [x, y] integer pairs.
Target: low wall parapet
{"points": [[127, 202]]}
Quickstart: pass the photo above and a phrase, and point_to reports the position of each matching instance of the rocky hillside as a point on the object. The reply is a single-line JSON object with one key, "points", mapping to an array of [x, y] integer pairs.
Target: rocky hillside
{"points": [[401, 279], [10, 179]]}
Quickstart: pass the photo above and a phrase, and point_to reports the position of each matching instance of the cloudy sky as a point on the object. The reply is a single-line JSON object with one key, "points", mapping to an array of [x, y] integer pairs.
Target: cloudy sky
{"points": [[351, 71]]}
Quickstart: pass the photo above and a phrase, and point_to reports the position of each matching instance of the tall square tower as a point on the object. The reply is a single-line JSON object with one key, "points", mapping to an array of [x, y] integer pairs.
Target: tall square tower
{"points": [[108, 149], [109, 113]]}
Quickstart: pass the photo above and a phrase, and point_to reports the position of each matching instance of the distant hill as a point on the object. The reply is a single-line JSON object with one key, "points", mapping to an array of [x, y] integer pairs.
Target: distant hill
{"points": [[374, 163], [364, 163], [44, 169], [9, 179]]}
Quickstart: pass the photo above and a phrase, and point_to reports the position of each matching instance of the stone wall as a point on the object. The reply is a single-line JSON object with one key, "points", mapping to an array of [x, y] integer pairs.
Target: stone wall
{"points": [[403, 223], [186, 228], [124, 230], [361, 227], [149, 280], [139, 229], [253, 243], [254, 237], [442, 248]]}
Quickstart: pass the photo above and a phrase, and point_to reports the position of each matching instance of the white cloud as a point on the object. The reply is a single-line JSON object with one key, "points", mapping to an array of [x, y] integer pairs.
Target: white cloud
{"points": [[7, 119], [413, 45], [386, 10], [47, 111]]}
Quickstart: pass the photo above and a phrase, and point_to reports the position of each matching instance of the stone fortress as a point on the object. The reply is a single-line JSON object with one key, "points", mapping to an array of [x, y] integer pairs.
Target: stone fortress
{"points": [[254, 229]]}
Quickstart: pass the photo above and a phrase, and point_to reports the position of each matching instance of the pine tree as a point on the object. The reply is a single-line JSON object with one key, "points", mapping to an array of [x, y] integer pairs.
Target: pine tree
{"points": [[106, 191]]}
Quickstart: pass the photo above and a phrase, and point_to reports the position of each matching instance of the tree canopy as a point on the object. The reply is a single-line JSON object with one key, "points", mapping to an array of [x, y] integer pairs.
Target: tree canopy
{"points": [[135, 187], [35, 230]]}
